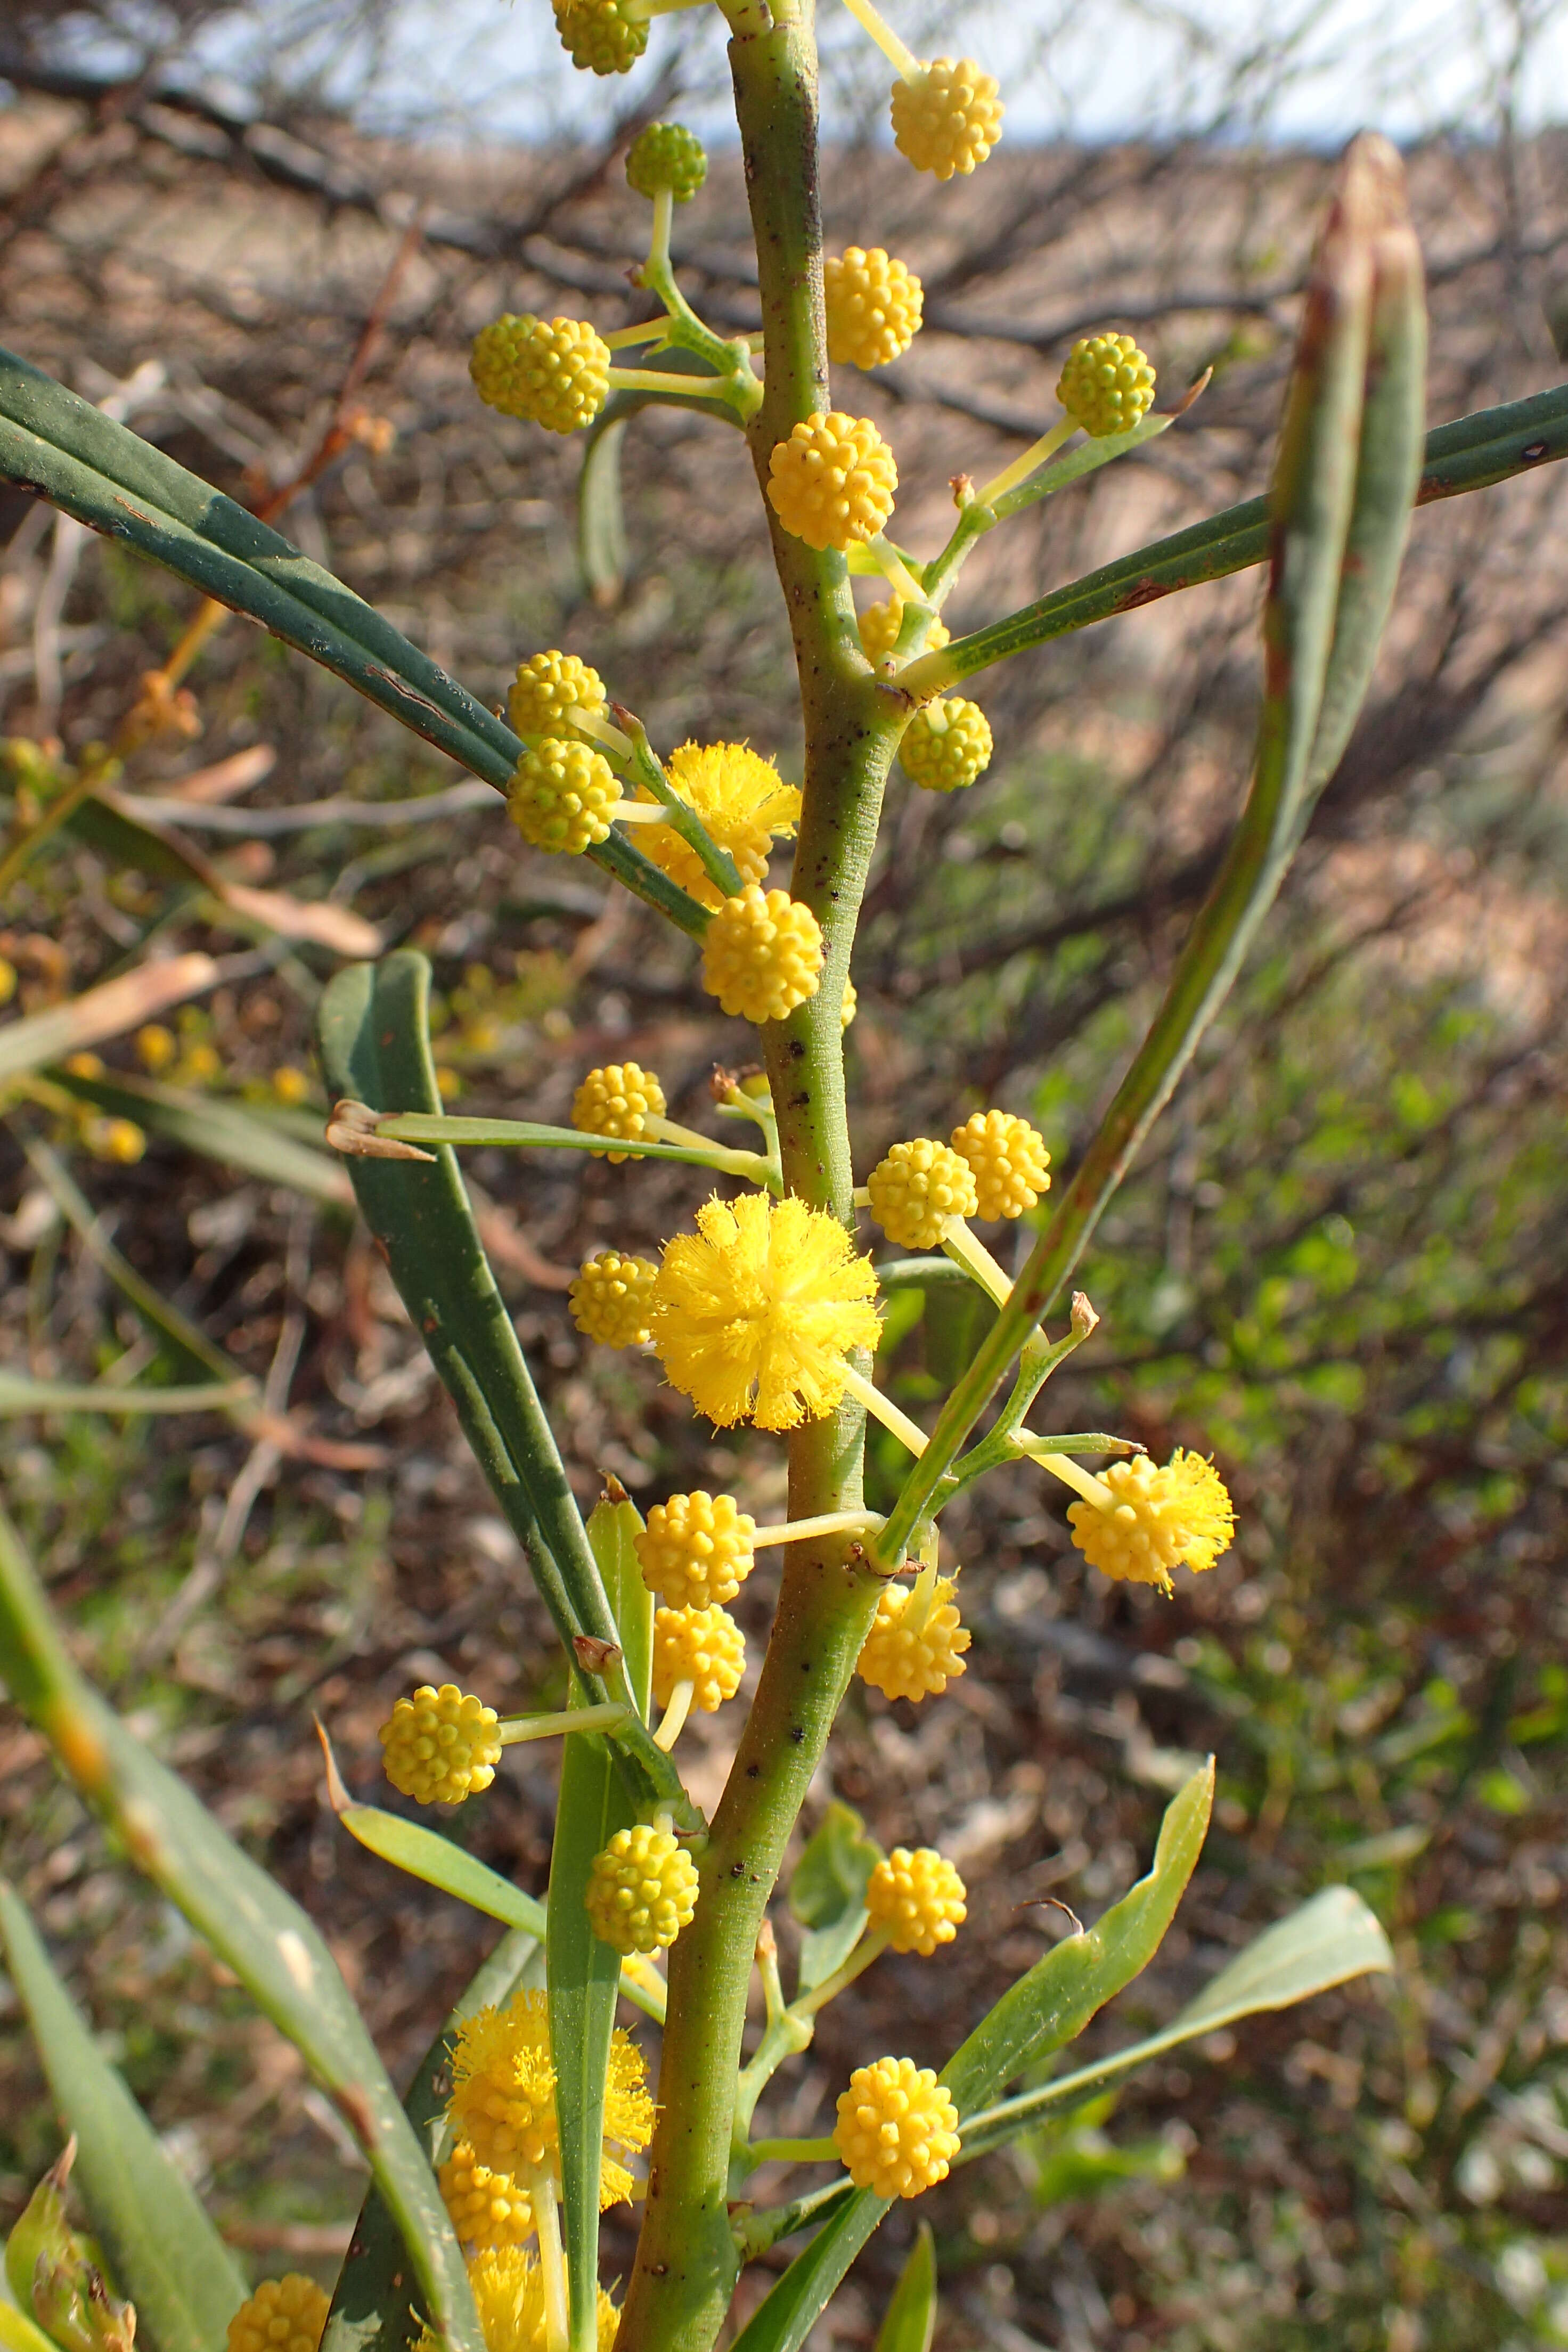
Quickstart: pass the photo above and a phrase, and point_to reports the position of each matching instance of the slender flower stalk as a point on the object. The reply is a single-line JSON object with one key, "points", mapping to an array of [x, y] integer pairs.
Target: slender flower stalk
{"points": [[882, 1408], [1022, 467], [899, 54], [513, 1731]]}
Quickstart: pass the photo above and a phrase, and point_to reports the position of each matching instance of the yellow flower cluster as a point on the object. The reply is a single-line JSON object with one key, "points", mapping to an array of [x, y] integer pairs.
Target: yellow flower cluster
{"points": [[561, 796], [1008, 1160], [609, 1297], [704, 1647], [742, 801], [917, 1188], [881, 623], [554, 369], [833, 482], [550, 691], [946, 745], [904, 1664], [696, 1549], [916, 1898], [642, 1890], [509, 2297], [761, 955], [897, 2129], [504, 2095], [873, 306], [948, 119], [1106, 384], [1158, 1519], [439, 1746], [617, 1098], [286, 2315], [602, 37], [487, 2209]]}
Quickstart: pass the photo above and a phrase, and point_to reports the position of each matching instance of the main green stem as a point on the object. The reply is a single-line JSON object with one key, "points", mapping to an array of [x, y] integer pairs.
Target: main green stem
{"points": [[687, 2260]]}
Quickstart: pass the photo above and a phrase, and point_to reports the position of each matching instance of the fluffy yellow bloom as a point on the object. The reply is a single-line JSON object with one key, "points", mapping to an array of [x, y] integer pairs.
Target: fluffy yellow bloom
{"points": [[696, 1549], [873, 306], [561, 796], [609, 1298], [1107, 385], [1009, 1160], [1160, 1518], [917, 1188], [881, 623], [831, 483], [901, 1664], [440, 1745], [947, 745], [509, 2295], [741, 799], [286, 2315], [753, 1314], [549, 692], [704, 1647], [503, 2097], [897, 2129], [917, 1898], [948, 119], [554, 369], [487, 2209], [761, 955], [642, 1889], [600, 36], [619, 1098]]}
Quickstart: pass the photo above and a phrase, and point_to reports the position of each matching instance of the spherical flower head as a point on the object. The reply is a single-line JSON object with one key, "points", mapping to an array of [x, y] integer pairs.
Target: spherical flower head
{"points": [[1009, 1160], [897, 2129], [549, 693], [642, 1890], [286, 2315], [833, 482], [509, 2295], [1160, 1518], [753, 1314], [851, 1006], [609, 1298], [916, 1189], [599, 35], [947, 745], [741, 799], [873, 306], [948, 119], [916, 1899], [1107, 385], [914, 1666], [487, 2209], [118, 1140], [618, 1098], [440, 1745], [554, 369], [704, 1647], [696, 1549], [561, 796], [667, 158], [503, 2094], [881, 623], [156, 1047], [761, 955]]}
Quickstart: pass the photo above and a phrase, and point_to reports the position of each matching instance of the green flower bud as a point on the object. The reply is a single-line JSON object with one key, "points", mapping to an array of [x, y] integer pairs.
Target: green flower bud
{"points": [[667, 156]]}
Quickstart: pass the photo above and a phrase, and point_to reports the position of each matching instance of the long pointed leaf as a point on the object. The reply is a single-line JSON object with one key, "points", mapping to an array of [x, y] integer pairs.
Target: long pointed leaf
{"points": [[166, 2254], [229, 1132], [911, 2319], [272, 1946]]}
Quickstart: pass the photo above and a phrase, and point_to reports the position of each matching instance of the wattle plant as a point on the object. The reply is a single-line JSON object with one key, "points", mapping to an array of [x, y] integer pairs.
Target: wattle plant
{"points": [[534, 2108]]}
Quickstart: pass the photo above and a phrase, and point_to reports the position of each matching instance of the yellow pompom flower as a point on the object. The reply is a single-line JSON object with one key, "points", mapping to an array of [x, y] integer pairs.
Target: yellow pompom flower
{"points": [[556, 371], [550, 691], [873, 306], [509, 2295], [600, 36], [487, 2209], [561, 796], [1160, 1518], [1010, 1163], [881, 623], [761, 955], [741, 799], [85, 1065], [831, 483], [897, 2129], [948, 119], [947, 745], [1107, 385], [642, 1889], [618, 1098], [754, 1314], [696, 1549], [291, 1086], [916, 1899], [704, 1647], [903, 1664], [917, 1188], [286, 2315], [609, 1297], [440, 1745], [504, 2095], [120, 1140], [156, 1047]]}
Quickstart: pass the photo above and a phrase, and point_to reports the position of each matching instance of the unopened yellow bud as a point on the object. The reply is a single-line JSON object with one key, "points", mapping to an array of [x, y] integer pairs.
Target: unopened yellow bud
{"points": [[696, 1549], [642, 1890], [117, 1139], [948, 119], [917, 1188], [913, 1665], [897, 2129], [610, 1296], [763, 954], [833, 482], [881, 623], [561, 796], [873, 306], [440, 1745], [600, 36], [1107, 385], [291, 1086], [916, 1898], [702, 1647], [286, 2315], [619, 1098], [549, 693], [156, 1047], [947, 745], [487, 2209], [1009, 1160], [556, 371]]}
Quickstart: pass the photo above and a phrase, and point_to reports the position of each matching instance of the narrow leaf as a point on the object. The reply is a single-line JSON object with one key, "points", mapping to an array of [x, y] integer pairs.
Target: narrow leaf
{"points": [[20, 1394], [229, 1132], [910, 2320], [101, 1013], [601, 519], [827, 1892], [165, 2254], [272, 1946]]}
